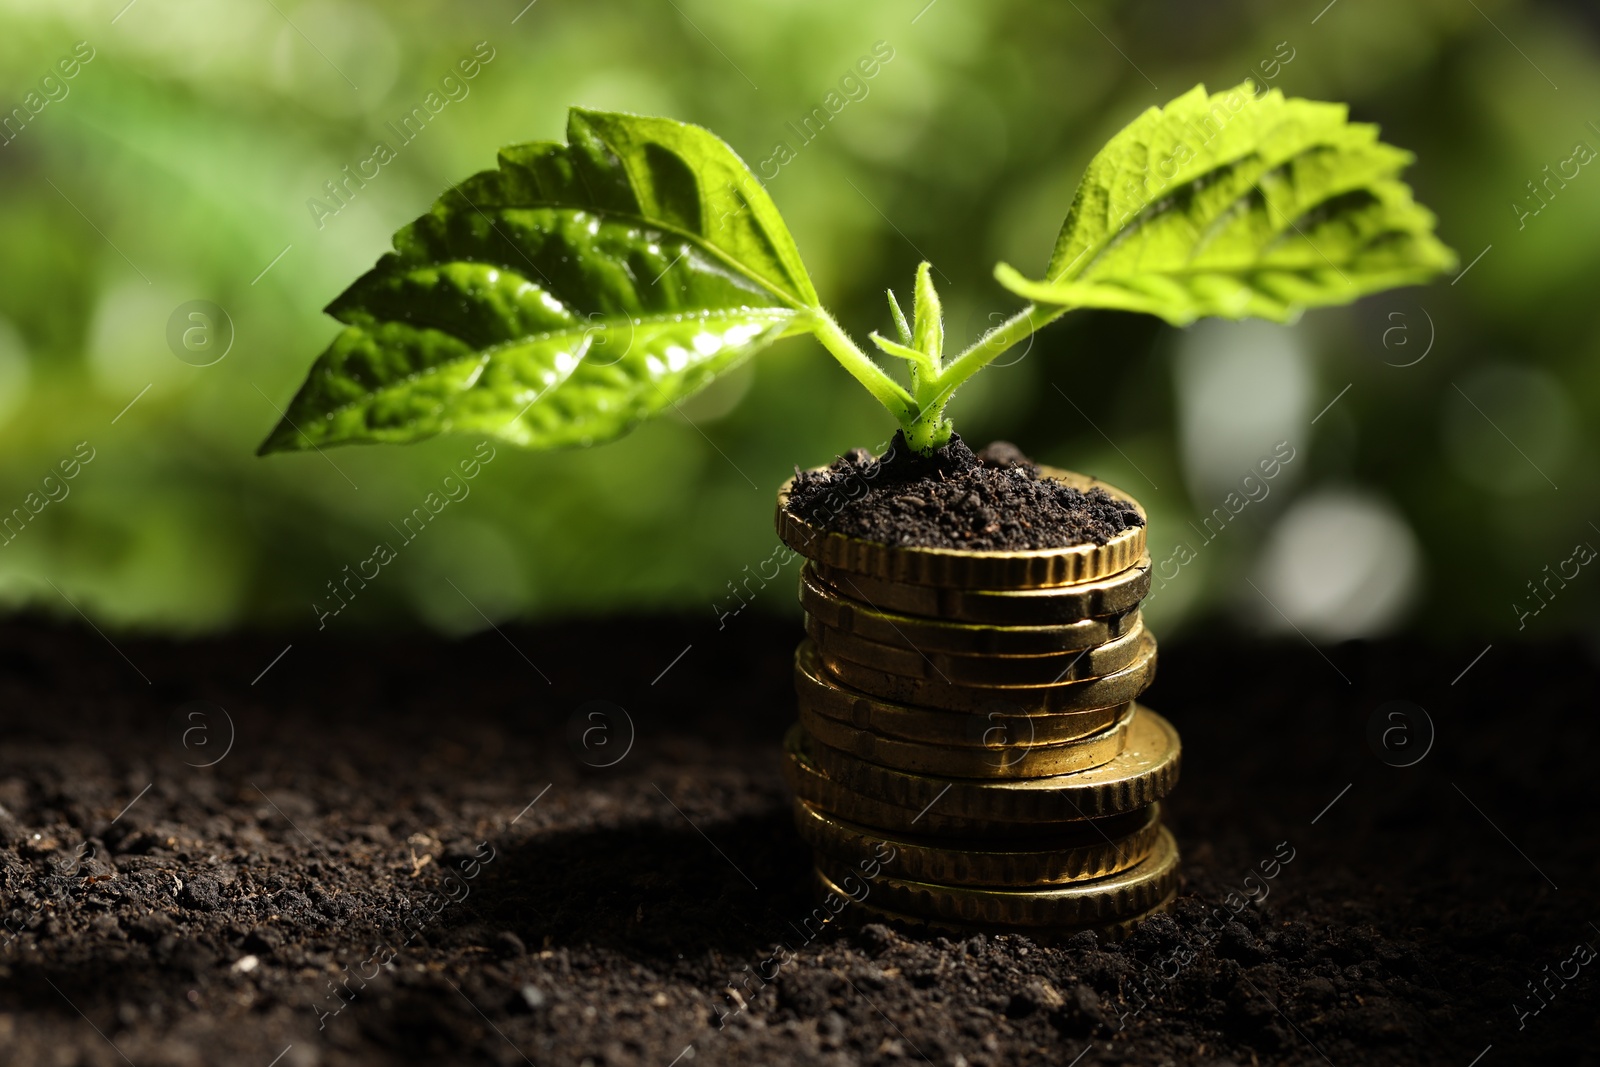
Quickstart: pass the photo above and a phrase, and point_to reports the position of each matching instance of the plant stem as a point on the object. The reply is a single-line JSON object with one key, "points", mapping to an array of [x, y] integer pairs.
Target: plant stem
{"points": [[989, 347], [884, 389], [923, 366], [921, 414]]}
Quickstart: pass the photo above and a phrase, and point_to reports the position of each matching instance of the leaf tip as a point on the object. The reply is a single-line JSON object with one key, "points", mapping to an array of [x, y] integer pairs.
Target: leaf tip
{"points": [[1009, 277], [274, 442]]}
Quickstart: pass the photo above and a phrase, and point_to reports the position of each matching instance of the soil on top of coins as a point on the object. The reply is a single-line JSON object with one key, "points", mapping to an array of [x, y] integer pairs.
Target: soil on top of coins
{"points": [[394, 850], [992, 500]]}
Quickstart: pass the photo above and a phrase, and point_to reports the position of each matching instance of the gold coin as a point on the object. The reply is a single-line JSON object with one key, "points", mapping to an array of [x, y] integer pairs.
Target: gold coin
{"points": [[821, 694], [817, 789], [1077, 695], [1143, 773], [965, 568], [1052, 668], [962, 638], [1002, 607], [996, 761], [1034, 862], [1114, 898], [868, 911]]}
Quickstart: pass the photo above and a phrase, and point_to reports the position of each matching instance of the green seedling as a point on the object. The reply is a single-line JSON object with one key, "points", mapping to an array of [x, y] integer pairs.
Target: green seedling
{"points": [[581, 288]]}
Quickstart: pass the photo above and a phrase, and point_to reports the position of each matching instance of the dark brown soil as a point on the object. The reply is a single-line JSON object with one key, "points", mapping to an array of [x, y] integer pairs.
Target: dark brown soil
{"points": [[954, 498], [291, 904]]}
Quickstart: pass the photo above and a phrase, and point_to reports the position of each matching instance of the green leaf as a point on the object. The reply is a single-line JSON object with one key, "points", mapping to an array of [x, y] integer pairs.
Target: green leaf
{"points": [[561, 298], [1238, 205], [928, 316], [915, 356]]}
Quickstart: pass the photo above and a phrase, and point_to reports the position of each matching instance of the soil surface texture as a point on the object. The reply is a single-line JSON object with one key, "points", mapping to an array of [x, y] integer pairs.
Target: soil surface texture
{"points": [[561, 845], [954, 498]]}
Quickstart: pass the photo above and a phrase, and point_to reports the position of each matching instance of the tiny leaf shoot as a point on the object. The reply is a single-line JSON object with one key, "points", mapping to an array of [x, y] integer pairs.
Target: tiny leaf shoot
{"points": [[899, 319], [580, 288]]}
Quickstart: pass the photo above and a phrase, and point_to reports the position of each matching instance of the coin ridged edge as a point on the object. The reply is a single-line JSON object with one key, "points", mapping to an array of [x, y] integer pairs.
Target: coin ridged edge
{"points": [[817, 789], [981, 865], [955, 637], [998, 762], [1110, 595], [830, 698], [1077, 665], [1080, 694], [1117, 897], [1115, 931], [1004, 801], [806, 782]]}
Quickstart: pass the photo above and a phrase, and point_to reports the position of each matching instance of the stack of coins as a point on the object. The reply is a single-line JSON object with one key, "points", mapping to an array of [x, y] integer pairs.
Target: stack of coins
{"points": [[970, 752]]}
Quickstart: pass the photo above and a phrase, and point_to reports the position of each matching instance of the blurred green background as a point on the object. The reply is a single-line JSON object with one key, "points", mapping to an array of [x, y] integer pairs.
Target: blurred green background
{"points": [[1456, 463]]}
